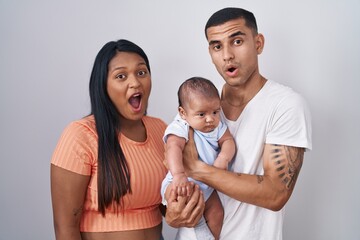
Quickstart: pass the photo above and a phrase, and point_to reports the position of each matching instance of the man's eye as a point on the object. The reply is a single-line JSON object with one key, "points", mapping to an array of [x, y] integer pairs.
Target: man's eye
{"points": [[217, 47], [237, 41]]}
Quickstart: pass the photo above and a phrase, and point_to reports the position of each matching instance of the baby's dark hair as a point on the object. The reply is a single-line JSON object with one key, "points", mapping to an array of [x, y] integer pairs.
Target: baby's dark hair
{"points": [[197, 85]]}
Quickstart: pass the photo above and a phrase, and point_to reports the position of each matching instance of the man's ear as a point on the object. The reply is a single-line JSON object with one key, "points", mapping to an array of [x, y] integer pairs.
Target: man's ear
{"points": [[182, 112], [260, 42]]}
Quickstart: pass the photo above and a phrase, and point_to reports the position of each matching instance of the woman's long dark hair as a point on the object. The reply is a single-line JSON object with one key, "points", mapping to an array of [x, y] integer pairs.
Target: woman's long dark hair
{"points": [[113, 173]]}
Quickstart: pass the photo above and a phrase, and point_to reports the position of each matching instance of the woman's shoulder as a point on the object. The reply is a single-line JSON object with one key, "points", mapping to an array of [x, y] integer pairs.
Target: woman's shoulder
{"points": [[88, 121], [85, 125], [76, 149]]}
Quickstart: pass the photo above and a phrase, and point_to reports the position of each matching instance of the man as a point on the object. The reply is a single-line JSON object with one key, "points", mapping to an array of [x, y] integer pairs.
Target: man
{"points": [[270, 124]]}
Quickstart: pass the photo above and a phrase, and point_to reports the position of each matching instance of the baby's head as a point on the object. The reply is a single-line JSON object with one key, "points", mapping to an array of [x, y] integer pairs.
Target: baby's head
{"points": [[199, 104]]}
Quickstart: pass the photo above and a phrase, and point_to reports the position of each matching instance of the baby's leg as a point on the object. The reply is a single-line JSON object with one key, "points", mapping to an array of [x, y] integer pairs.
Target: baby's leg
{"points": [[202, 231], [214, 214]]}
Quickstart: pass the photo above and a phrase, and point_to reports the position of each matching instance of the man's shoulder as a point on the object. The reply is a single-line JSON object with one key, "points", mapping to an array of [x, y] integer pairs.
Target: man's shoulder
{"points": [[280, 92]]}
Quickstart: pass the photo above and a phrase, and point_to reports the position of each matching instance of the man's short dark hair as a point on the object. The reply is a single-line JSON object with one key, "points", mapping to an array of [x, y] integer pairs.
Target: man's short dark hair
{"points": [[227, 14]]}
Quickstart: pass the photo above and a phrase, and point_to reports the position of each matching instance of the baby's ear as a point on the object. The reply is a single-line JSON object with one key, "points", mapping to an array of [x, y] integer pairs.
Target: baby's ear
{"points": [[182, 112]]}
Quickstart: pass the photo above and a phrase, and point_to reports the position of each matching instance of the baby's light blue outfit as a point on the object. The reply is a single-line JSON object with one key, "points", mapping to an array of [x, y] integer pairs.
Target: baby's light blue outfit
{"points": [[208, 148]]}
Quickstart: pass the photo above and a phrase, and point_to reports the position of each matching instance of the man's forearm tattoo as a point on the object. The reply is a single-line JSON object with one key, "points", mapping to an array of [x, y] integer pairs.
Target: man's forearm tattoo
{"points": [[259, 178], [288, 161]]}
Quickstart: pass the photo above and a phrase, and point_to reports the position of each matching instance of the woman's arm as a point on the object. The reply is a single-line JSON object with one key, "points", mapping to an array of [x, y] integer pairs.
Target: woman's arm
{"points": [[68, 190]]}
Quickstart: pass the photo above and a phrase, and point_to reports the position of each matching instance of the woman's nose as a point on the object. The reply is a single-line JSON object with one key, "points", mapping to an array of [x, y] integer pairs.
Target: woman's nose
{"points": [[134, 82]]}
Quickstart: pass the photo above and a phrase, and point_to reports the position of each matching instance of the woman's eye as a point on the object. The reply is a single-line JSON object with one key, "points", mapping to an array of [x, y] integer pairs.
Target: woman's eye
{"points": [[121, 76], [142, 73]]}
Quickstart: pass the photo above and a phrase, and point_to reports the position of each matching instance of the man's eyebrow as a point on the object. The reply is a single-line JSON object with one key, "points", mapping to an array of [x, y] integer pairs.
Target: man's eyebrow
{"points": [[238, 33], [213, 42]]}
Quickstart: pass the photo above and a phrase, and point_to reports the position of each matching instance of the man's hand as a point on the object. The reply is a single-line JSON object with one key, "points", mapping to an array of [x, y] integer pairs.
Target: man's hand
{"points": [[190, 155], [184, 211]]}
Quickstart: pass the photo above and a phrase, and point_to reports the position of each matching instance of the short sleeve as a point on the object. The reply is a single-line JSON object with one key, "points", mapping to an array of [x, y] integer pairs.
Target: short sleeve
{"points": [[222, 128], [291, 123], [76, 150], [177, 127]]}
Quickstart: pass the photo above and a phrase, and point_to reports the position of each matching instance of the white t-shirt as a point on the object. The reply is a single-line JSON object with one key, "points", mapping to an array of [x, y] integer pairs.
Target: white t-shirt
{"points": [[276, 115]]}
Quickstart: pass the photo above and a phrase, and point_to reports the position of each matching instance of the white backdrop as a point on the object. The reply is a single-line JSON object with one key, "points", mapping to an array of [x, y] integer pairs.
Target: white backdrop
{"points": [[46, 54]]}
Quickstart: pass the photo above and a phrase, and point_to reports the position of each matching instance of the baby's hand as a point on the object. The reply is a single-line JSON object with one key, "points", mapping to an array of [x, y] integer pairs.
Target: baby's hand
{"points": [[178, 184]]}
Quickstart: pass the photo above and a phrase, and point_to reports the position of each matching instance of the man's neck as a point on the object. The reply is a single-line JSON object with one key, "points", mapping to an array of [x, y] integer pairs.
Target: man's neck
{"points": [[235, 98], [240, 95]]}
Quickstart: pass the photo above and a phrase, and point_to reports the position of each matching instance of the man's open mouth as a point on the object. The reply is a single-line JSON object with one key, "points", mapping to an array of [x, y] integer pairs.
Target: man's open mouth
{"points": [[231, 69]]}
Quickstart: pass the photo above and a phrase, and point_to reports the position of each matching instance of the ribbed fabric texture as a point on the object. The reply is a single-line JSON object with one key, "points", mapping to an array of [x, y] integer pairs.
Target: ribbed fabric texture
{"points": [[77, 152]]}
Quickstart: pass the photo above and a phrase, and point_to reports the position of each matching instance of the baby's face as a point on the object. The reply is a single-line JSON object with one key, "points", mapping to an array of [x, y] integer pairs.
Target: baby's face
{"points": [[202, 113]]}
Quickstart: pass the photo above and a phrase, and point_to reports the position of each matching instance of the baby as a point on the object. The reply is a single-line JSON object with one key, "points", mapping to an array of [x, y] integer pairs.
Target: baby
{"points": [[199, 108]]}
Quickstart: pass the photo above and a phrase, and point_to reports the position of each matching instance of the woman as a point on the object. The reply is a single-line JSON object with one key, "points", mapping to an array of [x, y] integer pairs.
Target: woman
{"points": [[107, 168]]}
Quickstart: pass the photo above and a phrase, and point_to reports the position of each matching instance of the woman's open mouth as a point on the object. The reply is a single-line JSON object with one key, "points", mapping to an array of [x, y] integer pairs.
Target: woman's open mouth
{"points": [[135, 101]]}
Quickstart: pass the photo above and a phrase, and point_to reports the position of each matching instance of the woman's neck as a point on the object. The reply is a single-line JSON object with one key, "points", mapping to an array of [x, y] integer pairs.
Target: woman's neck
{"points": [[134, 130]]}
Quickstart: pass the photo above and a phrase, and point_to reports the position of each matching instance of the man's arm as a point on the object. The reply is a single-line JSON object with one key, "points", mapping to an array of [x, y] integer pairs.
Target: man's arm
{"points": [[272, 190]]}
